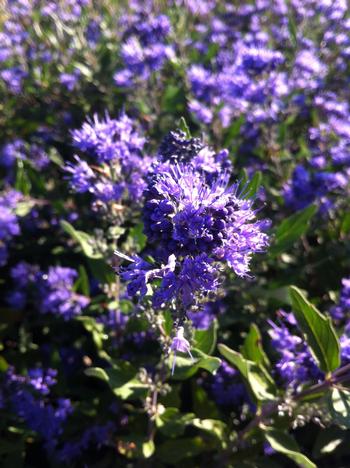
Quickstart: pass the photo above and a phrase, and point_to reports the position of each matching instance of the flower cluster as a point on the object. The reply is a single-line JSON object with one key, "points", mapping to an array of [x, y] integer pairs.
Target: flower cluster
{"points": [[9, 226], [195, 224], [113, 164], [51, 291], [144, 49], [41, 416], [341, 311]]}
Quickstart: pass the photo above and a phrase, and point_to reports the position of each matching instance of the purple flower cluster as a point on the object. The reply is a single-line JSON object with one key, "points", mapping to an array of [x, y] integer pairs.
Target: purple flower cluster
{"points": [[144, 49], [227, 388], [307, 186], [327, 172], [341, 311], [97, 435], [295, 365], [9, 226], [114, 162], [52, 291], [57, 295], [240, 81], [188, 216], [195, 222], [44, 417]]}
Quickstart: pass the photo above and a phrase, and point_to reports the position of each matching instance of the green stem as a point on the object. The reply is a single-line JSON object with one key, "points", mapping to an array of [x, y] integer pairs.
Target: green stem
{"points": [[339, 376]]}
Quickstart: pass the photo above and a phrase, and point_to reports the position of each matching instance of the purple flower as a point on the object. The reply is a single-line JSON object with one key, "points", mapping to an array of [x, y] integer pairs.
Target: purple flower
{"points": [[179, 344], [188, 216], [57, 295], [295, 365], [13, 77], [81, 176], [227, 387], [341, 311]]}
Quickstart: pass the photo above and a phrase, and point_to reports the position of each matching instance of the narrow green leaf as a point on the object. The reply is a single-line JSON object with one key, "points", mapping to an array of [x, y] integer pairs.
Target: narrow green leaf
{"points": [[291, 229], [205, 340], [252, 348], [233, 130], [85, 241], [318, 330], [184, 127], [258, 381], [3, 364], [168, 322], [292, 28], [96, 372], [250, 190], [82, 284], [283, 443], [22, 183]]}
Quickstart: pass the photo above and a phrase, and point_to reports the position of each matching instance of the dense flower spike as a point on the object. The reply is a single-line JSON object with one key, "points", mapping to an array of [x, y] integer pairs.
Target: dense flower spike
{"points": [[116, 146], [187, 216]]}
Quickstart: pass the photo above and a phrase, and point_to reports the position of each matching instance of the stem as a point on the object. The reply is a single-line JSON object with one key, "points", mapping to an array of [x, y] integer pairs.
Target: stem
{"points": [[339, 376]]}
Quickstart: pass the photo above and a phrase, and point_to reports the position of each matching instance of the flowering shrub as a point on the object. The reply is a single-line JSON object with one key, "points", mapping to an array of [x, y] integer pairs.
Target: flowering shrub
{"points": [[174, 233]]}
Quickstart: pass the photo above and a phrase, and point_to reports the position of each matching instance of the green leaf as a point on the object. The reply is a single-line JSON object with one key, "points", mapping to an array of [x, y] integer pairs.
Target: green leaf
{"points": [[186, 367], [172, 423], [345, 224], [318, 330], [203, 406], [23, 208], [122, 380], [214, 427], [138, 237], [292, 28], [3, 364], [101, 271], [291, 229], [285, 444], [233, 130], [168, 322], [82, 284], [252, 347], [205, 340], [184, 127], [251, 188], [339, 405], [258, 381], [95, 328], [22, 183], [175, 450], [84, 239], [327, 440], [96, 372]]}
